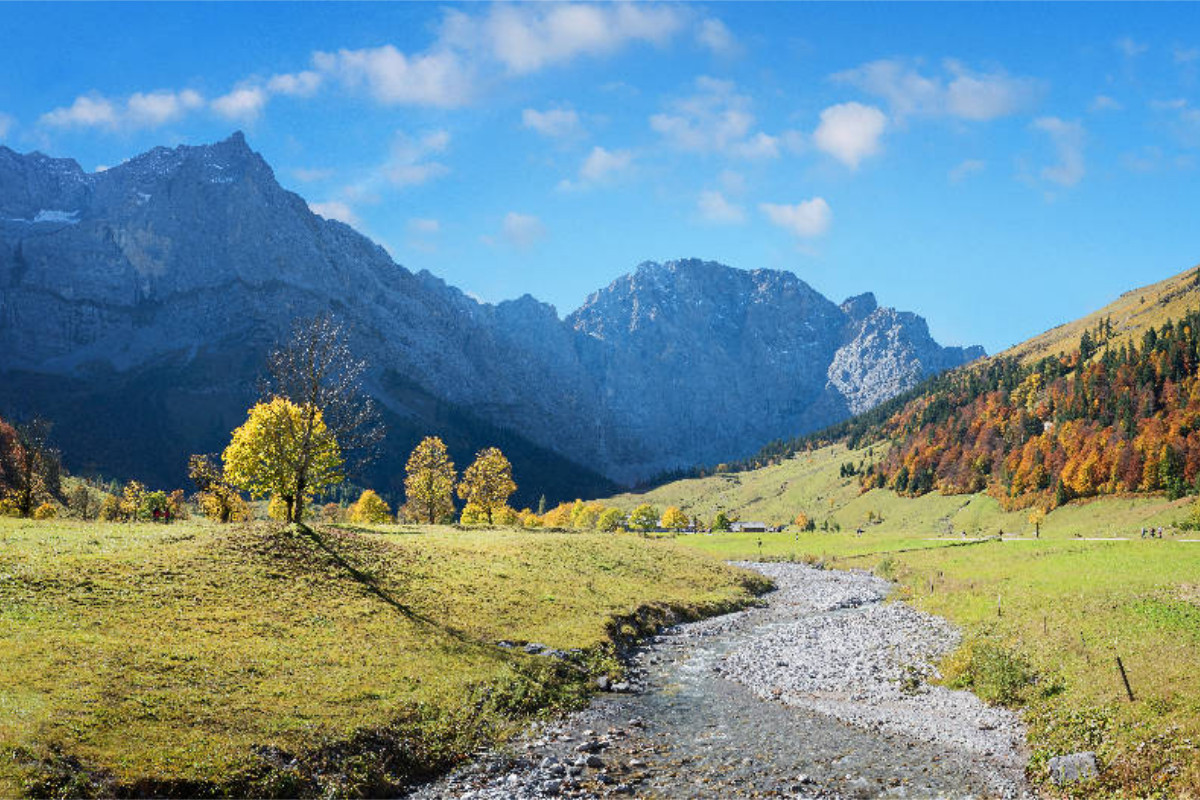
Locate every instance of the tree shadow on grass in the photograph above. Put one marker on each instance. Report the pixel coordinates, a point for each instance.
(346, 554)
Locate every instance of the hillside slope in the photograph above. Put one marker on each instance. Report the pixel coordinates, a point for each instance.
(1131, 315)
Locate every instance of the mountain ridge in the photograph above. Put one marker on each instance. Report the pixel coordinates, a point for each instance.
(195, 254)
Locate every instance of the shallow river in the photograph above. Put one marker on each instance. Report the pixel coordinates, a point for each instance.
(818, 694)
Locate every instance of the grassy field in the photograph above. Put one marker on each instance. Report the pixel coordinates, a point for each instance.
(810, 483)
(200, 660)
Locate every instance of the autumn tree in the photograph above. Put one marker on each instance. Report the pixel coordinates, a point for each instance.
(488, 482)
(429, 483)
(285, 450)
(721, 522)
(558, 517)
(29, 465)
(644, 517)
(317, 374)
(217, 499)
(370, 509)
(610, 520)
(133, 495)
(674, 519)
(82, 503)
(802, 521)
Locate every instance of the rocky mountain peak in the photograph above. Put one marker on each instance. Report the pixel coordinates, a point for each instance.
(860, 306)
(194, 255)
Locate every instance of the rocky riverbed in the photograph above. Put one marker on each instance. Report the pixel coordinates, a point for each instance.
(821, 693)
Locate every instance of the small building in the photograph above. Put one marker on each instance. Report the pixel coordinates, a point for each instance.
(748, 527)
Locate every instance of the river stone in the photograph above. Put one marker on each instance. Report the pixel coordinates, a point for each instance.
(1073, 767)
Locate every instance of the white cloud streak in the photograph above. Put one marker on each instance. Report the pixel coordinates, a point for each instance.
(523, 231)
(717, 119)
(716, 209)
(804, 220)
(336, 209)
(529, 37)
(241, 105)
(958, 92)
(967, 168)
(554, 123)
(439, 79)
(1067, 138)
(714, 35)
(140, 110)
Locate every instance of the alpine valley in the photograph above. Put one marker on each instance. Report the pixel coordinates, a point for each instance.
(136, 305)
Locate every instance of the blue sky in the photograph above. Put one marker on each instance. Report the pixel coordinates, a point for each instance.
(998, 168)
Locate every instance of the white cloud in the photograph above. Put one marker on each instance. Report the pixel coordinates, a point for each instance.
(556, 123)
(733, 182)
(715, 208)
(805, 220)
(1103, 102)
(244, 104)
(1067, 138)
(850, 132)
(335, 209)
(905, 90)
(1175, 104)
(306, 175)
(959, 92)
(296, 84)
(602, 165)
(714, 120)
(964, 170)
(409, 164)
(1186, 55)
(427, 227)
(529, 37)
(716, 36)
(6, 124)
(1130, 48)
(978, 96)
(160, 107)
(438, 79)
(88, 111)
(140, 110)
(523, 231)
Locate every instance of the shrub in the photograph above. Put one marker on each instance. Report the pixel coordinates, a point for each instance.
(505, 516)
(110, 508)
(996, 674)
(370, 509)
(45, 511)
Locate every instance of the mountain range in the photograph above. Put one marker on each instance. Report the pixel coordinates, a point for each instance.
(136, 305)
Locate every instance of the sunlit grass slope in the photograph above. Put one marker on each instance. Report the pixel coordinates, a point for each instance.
(1131, 315)
(811, 483)
(194, 659)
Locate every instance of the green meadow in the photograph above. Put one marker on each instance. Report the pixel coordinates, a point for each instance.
(196, 659)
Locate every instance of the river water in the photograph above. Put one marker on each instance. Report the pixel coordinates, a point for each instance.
(818, 694)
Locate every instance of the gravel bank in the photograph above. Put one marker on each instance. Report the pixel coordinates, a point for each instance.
(819, 694)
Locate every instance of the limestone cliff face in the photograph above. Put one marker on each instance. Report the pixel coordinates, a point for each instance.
(704, 362)
(186, 264)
